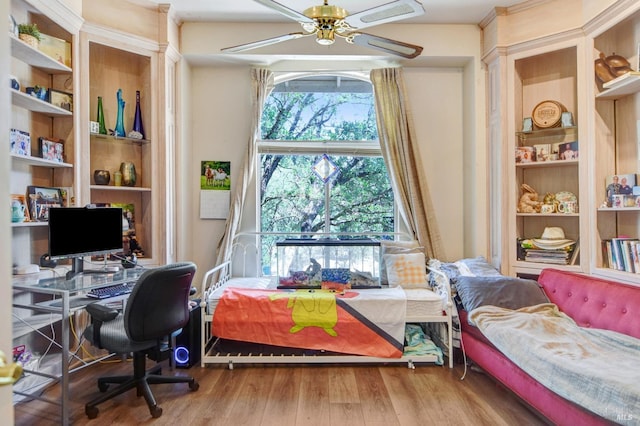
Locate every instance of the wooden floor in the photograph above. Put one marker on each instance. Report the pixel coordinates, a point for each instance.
(383, 395)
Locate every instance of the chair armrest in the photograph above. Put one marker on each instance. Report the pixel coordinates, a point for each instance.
(101, 313)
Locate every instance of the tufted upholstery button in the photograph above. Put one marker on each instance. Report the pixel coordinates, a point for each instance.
(624, 310)
(569, 294)
(604, 305)
(586, 299)
(588, 325)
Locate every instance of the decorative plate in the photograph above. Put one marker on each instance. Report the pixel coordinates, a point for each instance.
(548, 114)
(566, 196)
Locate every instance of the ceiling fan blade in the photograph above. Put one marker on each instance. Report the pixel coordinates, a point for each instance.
(262, 43)
(388, 45)
(284, 10)
(390, 12)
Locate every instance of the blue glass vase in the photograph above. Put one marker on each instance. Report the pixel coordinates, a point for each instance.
(119, 130)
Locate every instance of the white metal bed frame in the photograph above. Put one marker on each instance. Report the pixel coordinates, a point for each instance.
(222, 274)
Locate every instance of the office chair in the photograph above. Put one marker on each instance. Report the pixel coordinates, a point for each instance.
(157, 307)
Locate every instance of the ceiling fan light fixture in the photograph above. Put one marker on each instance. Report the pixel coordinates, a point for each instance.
(325, 35)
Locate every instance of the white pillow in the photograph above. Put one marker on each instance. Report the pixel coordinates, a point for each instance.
(396, 247)
(407, 270)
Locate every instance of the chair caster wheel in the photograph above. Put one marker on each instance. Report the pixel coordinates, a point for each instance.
(91, 412)
(155, 412)
(193, 385)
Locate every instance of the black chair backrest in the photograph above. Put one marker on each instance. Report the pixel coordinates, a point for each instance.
(158, 303)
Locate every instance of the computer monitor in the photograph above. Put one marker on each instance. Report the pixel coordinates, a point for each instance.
(75, 232)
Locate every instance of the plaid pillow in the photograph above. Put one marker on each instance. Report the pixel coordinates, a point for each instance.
(407, 270)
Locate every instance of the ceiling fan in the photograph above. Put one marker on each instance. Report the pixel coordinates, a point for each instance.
(328, 21)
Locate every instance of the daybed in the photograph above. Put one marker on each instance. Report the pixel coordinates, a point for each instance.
(249, 320)
(593, 373)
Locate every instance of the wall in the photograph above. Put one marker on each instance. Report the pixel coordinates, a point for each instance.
(446, 91)
(6, 406)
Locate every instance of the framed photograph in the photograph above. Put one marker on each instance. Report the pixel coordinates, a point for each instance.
(40, 200)
(20, 142)
(617, 186)
(527, 124)
(51, 149)
(567, 119)
(62, 100)
(19, 209)
(565, 150)
(525, 154)
(68, 198)
(543, 152)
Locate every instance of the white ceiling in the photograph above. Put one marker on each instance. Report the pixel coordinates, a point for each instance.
(437, 11)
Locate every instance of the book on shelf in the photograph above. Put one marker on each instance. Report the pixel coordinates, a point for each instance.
(563, 256)
(621, 254)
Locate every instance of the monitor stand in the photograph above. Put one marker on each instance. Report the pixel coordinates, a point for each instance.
(77, 268)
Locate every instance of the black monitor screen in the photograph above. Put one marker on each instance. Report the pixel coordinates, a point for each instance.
(79, 231)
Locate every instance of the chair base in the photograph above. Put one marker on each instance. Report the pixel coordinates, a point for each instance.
(141, 381)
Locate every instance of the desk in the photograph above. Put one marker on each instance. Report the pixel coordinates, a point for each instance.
(66, 293)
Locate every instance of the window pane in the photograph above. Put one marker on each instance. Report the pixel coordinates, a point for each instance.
(320, 110)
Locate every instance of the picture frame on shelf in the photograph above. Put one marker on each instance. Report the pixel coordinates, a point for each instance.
(566, 150)
(543, 151)
(567, 119)
(527, 124)
(525, 154)
(60, 99)
(19, 208)
(68, 196)
(41, 199)
(20, 142)
(617, 187)
(51, 149)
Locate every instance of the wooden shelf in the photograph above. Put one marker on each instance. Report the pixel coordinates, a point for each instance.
(120, 188)
(553, 131)
(120, 138)
(39, 162)
(29, 224)
(29, 55)
(31, 103)
(542, 164)
(548, 214)
(622, 86)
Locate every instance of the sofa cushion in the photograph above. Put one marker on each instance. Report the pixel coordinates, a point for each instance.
(502, 291)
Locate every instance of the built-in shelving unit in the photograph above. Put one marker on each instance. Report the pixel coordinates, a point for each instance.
(542, 74)
(616, 150)
(114, 66)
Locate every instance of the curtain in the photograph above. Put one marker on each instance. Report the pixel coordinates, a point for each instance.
(400, 152)
(261, 85)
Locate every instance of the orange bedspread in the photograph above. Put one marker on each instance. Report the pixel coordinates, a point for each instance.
(314, 319)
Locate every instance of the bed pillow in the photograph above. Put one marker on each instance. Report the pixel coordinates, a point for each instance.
(501, 291)
(408, 270)
(396, 247)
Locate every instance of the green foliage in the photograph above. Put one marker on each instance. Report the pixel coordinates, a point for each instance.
(30, 29)
(293, 198)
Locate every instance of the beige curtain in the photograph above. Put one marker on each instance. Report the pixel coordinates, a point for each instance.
(400, 152)
(262, 83)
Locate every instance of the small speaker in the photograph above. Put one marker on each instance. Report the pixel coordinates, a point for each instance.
(187, 351)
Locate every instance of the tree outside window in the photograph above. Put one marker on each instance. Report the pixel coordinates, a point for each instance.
(312, 127)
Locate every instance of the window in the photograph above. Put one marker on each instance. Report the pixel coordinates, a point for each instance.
(321, 171)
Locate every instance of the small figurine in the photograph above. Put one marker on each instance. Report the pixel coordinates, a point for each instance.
(314, 268)
(529, 200)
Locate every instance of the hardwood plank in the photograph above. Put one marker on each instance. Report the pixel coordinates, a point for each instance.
(327, 395)
(313, 403)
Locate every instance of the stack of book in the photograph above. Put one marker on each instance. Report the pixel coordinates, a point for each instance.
(561, 256)
(557, 257)
(622, 254)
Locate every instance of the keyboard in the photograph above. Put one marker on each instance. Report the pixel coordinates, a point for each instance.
(110, 291)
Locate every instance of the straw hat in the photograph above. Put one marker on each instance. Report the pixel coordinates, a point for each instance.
(552, 238)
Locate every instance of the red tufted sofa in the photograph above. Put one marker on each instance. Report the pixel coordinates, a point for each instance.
(591, 302)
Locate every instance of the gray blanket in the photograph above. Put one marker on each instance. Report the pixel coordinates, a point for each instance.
(597, 369)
